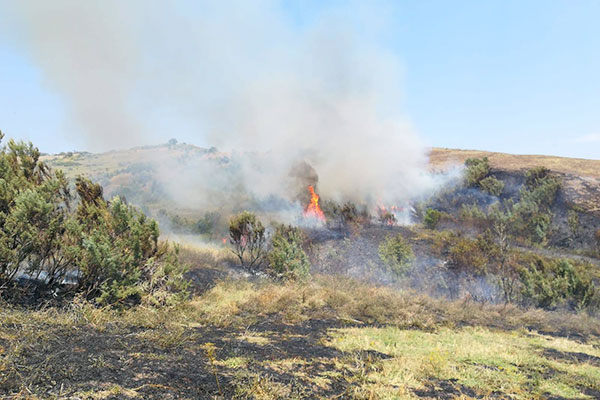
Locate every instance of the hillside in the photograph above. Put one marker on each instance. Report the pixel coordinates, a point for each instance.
(581, 176)
(491, 292)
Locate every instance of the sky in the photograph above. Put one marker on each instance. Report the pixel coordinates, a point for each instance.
(500, 75)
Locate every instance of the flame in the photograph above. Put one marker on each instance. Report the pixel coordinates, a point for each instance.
(313, 210)
(387, 217)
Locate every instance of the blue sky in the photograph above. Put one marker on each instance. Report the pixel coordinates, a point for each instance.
(511, 76)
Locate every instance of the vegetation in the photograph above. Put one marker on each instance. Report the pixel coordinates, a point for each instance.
(431, 218)
(396, 254)
(287, 259)
(557, 284)
(248, 237)
(477, 170)
(492, 185)
(106, 250)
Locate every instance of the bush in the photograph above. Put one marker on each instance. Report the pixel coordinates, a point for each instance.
(431, 218)
(287, 259)
(477, 170)
(248, 237)
(471, 256)
(396, 254)
(553, 284)
(106, 250)
(492, 185)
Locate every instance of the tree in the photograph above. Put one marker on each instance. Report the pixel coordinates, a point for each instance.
(287, 259)
(248, 237)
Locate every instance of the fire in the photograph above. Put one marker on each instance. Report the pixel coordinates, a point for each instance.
(313, 210)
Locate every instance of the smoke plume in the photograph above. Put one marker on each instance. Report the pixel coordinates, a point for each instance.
(238, 75)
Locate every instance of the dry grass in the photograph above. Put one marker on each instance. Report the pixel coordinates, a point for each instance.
(240, 302)
(441, 158)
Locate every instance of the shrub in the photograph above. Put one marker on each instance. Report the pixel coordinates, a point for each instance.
(477, 170)
(287, 259)
(558, 283)
(470, 255)
(385, 217)
(492, 185)
(396, 254)
(248, 237)
(573, 222)
(107, 250)
(431, 218)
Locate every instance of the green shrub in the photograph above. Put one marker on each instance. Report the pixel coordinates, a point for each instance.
(471, 255)
(492, 185)
(477, 170)
(109, 249)
(287, 259)
(248, 237)
(431, 218)
(396, 254)
(558, 283)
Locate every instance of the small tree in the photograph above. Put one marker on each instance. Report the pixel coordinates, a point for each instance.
(287, 259)
(396, 254)
(432, 218)
(248, 238)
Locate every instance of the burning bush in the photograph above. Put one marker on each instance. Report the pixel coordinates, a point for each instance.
(287, 259)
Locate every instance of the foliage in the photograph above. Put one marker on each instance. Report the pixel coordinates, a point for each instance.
(492, 185)
(471, 255)
(104, 250)
(343, 216)
(533, 213)
(287, 259)
(248, 237)
(431, 218)
(573, 222)
(557, 283)
(396, 254)
(477, 170)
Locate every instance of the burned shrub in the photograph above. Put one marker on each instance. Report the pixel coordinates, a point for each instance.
(385, 217)
(248, 237)
(287, 259)
(342, 217)
(396, 254)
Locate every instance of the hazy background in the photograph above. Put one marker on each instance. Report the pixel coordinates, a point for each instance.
(497, 75)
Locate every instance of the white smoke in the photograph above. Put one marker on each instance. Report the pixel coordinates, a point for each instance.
(238, 75)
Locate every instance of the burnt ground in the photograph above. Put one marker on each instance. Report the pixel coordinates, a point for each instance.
(289, 359)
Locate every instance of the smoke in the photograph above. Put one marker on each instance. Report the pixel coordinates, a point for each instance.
(237, 75)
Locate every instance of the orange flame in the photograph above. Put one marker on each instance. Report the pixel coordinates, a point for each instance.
(313, 210)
